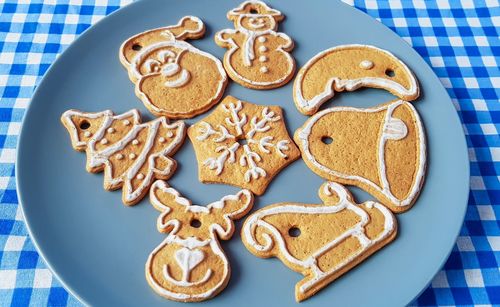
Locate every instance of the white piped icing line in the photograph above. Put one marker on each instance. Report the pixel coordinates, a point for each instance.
(393, 129)
(192, 250)
(308, 106)
(97, 158)
(248, 157)
(172, 69)
(273, 236)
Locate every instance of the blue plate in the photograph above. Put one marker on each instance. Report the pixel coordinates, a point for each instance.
(98, 247)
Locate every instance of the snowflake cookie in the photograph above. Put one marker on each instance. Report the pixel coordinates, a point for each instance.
(242, 144)
(132, 154)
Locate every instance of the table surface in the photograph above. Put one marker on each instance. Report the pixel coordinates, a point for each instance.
(460, 41)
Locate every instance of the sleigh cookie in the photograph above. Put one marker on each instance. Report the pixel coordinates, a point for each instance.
(320, 241)
(168, 72)
(132, 154)
(347, 68)
(258, 57)
(189, 265)
(382, 150)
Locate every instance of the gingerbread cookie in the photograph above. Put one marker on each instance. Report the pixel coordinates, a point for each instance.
(189, 265)
(349, 67)
(242, 144)
(173, 78)
(381, 150)
(258, 57)
(320, 241)
(132, 154)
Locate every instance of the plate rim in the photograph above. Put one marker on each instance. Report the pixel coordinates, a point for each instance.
(131, 6)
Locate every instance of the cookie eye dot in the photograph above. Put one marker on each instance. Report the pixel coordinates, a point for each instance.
(195, 223)
(84, 125)
(136, 47)
(389, 72)
(326, 140)
(294, 232)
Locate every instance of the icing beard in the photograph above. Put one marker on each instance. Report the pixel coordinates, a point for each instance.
(167, 63)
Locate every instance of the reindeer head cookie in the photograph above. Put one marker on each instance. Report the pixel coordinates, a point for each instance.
(172, 77)
(132, 154)
(258, 57)
(189, 265)
(320, 241)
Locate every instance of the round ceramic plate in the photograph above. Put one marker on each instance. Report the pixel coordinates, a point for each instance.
(98, 247)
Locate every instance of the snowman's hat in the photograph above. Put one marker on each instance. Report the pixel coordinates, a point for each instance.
(254, 8)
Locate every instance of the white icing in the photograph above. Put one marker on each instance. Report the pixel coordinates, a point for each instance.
(87, 134)
(393, 129)
(132, 156)
(264, 69)
(119, 156)
(111, 130)
(104, 141)
(170, 134)
(248, 45)
(357, 231)
(184, 77)
(190, 255)
(135, 142)
(161, 140)
(170, 69)
(126, 122)
(307, 106)
(263, 58)
(152, 65)
(248, 158)
(366, 64)
(140, 176)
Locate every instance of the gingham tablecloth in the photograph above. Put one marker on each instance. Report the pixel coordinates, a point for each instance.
(460, 40)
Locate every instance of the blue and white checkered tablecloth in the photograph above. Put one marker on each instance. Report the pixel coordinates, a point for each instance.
(459, 39)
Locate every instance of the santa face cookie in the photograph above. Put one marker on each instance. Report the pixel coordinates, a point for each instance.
(349, 67)
(132, 154)
(189, 265)
(381, 150)
(258, 57)
(320, 241)
(168, 72)
(242, 144)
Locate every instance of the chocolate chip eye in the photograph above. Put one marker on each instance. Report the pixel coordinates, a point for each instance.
(84, 125)
(294, 232)
(195, 223)
(136, 47)
(326, 140)
(389, 72)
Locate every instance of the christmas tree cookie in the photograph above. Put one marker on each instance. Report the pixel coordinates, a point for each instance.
(132, 154)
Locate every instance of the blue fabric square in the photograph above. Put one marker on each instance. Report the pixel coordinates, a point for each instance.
(28, 260)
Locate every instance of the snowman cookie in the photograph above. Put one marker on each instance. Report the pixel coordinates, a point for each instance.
(349, 67)
(173, 78)
(258, 57)
(381, 150)
(132, 154)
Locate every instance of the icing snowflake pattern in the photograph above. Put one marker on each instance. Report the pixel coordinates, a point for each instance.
(243, 138)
